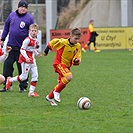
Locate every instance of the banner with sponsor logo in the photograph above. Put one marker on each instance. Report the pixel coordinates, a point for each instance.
(129, 38)
(66, 34)
(109, 38)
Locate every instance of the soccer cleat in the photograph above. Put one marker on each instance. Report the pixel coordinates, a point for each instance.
(11, 88)
(22, 90)
(3, 89)
(33, 94)
(52, 102)
(97, 50)
(83, 50)
(56, 96)
(8, 83)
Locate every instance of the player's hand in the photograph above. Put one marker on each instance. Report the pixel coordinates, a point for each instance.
(28, 60)
(45, 54)
(46, 51)
(8, 49)
(1, 43)
(39, 55)
(76, 61)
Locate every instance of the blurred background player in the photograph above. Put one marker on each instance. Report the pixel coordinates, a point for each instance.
(17, 25)
(27, 60)
(68, 53)
(3, 56)
(91, 37)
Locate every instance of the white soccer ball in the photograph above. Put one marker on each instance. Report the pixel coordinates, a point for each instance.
(84, 103)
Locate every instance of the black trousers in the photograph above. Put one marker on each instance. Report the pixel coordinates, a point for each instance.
(94, 43)
(8, 66)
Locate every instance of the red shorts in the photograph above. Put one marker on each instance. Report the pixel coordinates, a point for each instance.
(62, 70)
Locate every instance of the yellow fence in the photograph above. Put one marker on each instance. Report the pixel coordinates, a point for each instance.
(114, 38)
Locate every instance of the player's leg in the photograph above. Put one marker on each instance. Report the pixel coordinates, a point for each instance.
(24, 83)
(95, 48)
(34, 79)
(86, 46)
(89, 45)
(8, 68)
(57, 90)
(66, 78)
(2, 79)
(23, 76)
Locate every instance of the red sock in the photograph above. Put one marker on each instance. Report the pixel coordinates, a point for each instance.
(86, 47)
(51, 94)
(60, 87)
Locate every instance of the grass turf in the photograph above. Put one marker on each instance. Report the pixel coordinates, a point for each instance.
(105, 78)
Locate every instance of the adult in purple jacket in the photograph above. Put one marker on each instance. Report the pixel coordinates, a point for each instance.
(17, 26)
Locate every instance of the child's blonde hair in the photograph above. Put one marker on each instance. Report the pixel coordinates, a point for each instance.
(76, 32)
(34, 25)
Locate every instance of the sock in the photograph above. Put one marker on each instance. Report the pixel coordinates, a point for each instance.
(86, 47)
(14, 79)
(95, 48)
(61, 85)
(51, 94)
(59, 79)
(32, 87)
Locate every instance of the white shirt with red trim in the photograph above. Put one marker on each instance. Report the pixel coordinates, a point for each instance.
(28, 49)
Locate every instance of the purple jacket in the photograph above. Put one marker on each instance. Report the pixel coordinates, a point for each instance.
(17, 26)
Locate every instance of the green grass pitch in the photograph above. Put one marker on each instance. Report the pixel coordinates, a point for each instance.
(105, 78)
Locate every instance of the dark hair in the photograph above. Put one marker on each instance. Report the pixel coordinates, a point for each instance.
(76, 32)
(91, 20)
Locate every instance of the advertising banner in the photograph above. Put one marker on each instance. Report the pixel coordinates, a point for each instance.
(129, 38)
(109, 38)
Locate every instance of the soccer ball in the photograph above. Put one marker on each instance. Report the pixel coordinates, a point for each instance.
(84, 103)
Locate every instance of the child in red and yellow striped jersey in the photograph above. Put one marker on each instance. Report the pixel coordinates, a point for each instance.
(68, 53)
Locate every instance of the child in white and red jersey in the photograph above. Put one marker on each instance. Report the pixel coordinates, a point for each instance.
(27, 60)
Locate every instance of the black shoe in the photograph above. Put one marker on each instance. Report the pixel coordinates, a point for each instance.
(22, 90)
(3, 90)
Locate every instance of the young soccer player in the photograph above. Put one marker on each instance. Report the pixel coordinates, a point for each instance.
(3, 56)
(68, 53)
(91, 37)
(27, 60)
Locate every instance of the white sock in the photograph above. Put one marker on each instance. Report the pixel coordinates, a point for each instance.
(32, 89)
(13, 79)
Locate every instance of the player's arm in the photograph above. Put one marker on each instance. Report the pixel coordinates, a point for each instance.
(77, 58)
(23, 50)
(37, 53)
(4, 55)
(46, 50)
(53, 44)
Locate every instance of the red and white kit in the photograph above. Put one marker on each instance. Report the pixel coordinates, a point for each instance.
(28, 64)
(28, 52)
